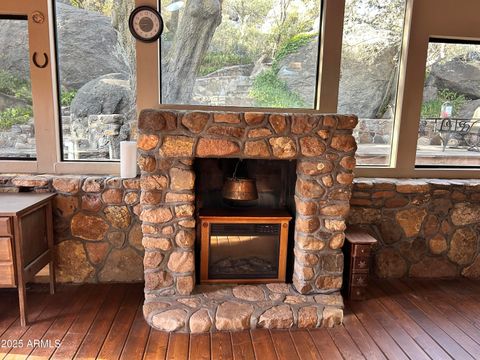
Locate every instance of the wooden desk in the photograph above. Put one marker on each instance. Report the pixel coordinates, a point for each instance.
(26, 242)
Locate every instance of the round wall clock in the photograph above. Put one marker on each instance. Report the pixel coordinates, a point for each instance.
(145, 24)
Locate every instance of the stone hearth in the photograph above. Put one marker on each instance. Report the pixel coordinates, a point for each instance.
(169, 142)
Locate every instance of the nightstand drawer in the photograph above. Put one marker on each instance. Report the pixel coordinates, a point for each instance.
(5, 226)
(358, 293)
(361, 250)
(6, 251)
(360, 264)
(7, 275)
(359, 280)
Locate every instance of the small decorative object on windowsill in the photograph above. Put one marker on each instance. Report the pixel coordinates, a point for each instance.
(128, 159)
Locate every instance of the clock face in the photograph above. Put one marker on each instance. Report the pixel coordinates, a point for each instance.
(146, 24)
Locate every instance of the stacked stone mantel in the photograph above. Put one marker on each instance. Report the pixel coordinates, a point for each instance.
(169, 142)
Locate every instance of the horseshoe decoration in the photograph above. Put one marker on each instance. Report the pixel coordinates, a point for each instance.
(35, 61)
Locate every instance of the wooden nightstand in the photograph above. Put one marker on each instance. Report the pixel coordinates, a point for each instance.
(26, 242)
(357, 263)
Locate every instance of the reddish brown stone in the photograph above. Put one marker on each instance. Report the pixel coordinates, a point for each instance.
(69, 185)
(465, 214)
(97, 252)
(200, 322)
(181, 261)
(314, 168)
(345, 178)
(226, 131)
(433, 267)
(119, 216)
(66, 205)
(147, 163)
(260, 132)
(147, 142)
(277, 317)
(329, 282)
(458, 196)
(278, 123)
(157, 215)
(309, 189)
(156, 243)
(216, 147)
(308, 242)
(113, 182)
(411, 220)
(347, 122)
(93, 184)
(185, 239)
(327, 180)
(233, 316)
(473, 271)
(336, 242)
(311, 146)
(332, 316)
(158, 280)
(152, 259)
(30, 181)
(437, 244)
(171, 197)
(112, 196)
(445, 227)
(345, 143)
(72, 264)
(91, 203)
(177, 146)
(303, 124)
(185, 284)
(348, 162)
(150, 197)
(88, 227)
(131, 184)
(151, 120)
(195, 121)
(383, 194)
(257, 149)
(390, 264)
(305, 207)
(361, 202)
(463, 246)
(431, 225)
(130, 198)
(230, 118)
(396, 202)
(329, 121)
(184, 210)
(413, 187)
(154, 182)
(324, 134)
(253, 118)
(182, 179)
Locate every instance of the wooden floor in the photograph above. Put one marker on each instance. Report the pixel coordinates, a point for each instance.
(403, 320)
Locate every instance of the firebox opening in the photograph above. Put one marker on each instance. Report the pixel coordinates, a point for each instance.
(245, 241)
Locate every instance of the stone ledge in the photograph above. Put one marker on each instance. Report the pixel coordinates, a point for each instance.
(213, 308)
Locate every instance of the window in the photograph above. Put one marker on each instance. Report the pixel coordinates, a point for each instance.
(96, 64)
(261, 53)
(449, 132)
(372, 37)
(17, 128)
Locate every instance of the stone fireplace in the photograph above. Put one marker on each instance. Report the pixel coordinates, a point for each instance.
(169, 143)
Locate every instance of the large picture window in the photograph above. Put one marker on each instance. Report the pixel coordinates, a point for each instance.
(449, 132)
(256, 53)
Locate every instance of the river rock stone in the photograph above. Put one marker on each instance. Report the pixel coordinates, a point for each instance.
(170, 320)
(463, 246)
(390, 264)
(433, 267)
(465, 214)
(307, 317)
(216, 147)
(233, 316)
(122, 265)
(473, 271)
(283, 147)
(332, 316)
(278, 317)
(72, 264)
(88, 227)
(411, 220)
(177, 146)
(182, 179)
(195, 121)
(200, 322)
(119, 216)
(249, 293)
(181, 261)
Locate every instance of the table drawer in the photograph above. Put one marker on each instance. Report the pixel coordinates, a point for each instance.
(361, 250)
(6, 250)
(7, 275)
(5, 226)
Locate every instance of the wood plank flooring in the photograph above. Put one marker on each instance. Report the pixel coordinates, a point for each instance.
(403, 319)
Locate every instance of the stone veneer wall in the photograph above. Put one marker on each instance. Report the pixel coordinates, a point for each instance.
(97, 232)
(426, 228)
(169, 141)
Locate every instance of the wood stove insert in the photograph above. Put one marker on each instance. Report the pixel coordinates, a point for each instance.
(243, 245)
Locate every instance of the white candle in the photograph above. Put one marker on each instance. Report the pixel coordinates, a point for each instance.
(128, 159)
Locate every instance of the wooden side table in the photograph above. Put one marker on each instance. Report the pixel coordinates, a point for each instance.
(357, 263)
(26, 242)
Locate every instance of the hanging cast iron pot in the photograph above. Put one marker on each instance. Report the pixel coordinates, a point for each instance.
(239, 189)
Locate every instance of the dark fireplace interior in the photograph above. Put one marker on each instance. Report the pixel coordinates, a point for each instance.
(239, 248)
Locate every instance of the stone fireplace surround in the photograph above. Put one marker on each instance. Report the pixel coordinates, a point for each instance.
(168, 143)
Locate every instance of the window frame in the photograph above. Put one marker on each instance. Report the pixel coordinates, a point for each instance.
(452, 22)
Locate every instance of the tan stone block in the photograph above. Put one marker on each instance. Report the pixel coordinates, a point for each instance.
(314, 168)
(30, 181)
(185, 285)
(156, 120)
(189, 224)
(135, 236)
(256, 149)
(308, 189)
(231, 131)
(283, 147)
(233, 316)
(168, 230)
(149, 229)
(195, 121)
(131, 184)
(303, 272)
(152, 259)
(170, 320)
(200, 322)
(335, 210)
(259, 133)
(304, 258)
(171, 197)
(278, 288)
(413, 187)
(66, 205)
(308, 242)
(230, 118)
(150, 197)
(158, 280)
(411, 220)
(463, 246)
(347, 122)
(337, 240)
(181, 179)
(307, 317)
(184, 210)
(254, 118)
(307, 225)
(305, 208)
(97, 251)
(154, 182)
(390, 264)
(157, 215)
(163, 244)
(345, 178)
(329, 282)
(278, 123)
(335, 225)
(465, 214)
(345, 143)
(185, 239)
(112, 196)
(437, 244)
(93, 184)
(191, 302)
(332, 316)
(433, 267)
(216, 147)
(147, 142)
(303, 124)
(147, 163)
(311, 146)
(181, 261)
(114, 182)
(70, 185)
(323, 134)
(130, 198)
(277, 317)
(327, 181)
(91, 203)
(88, 227)
(249, 293)
(118, 216)
(177, 146)
(72, 264)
